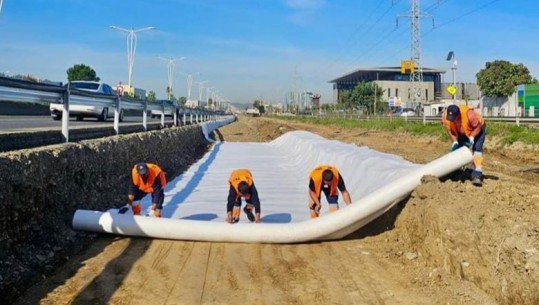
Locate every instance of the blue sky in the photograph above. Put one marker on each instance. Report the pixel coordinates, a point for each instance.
(249, 49)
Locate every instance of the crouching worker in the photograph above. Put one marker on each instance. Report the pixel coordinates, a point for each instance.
(147, 178)
(327, 179)
(242, 186)
(467, 128)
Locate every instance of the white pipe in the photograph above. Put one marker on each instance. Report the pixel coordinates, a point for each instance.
(332, 226)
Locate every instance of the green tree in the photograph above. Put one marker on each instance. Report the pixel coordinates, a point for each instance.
(30, 78)
(344, 99)
(81, 72)
(500, 78)
(258, 104)
(363, 97)
(151, 96)
(182, 100)
(328, 107)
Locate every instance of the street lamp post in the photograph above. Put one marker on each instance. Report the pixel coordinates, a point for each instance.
(208, 95)
(171, 62)
(200, 88)
(131, 47)
(190, 83)
(451, 56)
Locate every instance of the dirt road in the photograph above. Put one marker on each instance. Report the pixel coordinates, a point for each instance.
(449, 243)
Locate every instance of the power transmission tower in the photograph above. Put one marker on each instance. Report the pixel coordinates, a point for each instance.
(416, 73)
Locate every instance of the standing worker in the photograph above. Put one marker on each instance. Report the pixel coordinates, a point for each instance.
(327, 179)
(147, 178)
(242, 186)
(467, 128)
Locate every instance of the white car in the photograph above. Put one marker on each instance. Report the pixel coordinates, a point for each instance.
(82, 111)
(406, 112)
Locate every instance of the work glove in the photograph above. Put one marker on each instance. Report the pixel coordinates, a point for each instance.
(470, 142)
(454, 146)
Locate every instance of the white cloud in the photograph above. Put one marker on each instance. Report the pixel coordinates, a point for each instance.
(304, 4)
(304, 11)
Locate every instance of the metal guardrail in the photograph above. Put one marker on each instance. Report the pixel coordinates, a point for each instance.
(432, 119)
(13, 90)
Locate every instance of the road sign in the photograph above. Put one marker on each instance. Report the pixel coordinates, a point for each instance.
(451, 90)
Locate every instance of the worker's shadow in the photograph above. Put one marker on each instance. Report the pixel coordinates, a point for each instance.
(178, 198)
(201, 216)
(277, 218)
(219, 135)
(383, 223)
(464, 174)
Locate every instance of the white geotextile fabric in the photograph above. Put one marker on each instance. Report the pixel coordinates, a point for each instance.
(280, 170)
(195, 202)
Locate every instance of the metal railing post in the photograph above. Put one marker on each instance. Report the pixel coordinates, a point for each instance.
(65, 115)
(117, 116)
(175, 116)
(145, 116)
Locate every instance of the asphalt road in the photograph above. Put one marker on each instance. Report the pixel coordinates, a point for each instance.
(16, 123)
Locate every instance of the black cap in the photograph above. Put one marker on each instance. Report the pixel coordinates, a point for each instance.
(244, 188)
(452, 112)
(142, 169)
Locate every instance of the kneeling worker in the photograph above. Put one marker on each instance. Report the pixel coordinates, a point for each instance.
(242, 186)
(327, 179)
(147, 178)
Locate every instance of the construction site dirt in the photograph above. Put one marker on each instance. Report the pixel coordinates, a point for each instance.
(449, 242)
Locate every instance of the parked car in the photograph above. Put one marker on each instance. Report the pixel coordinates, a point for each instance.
(405, 112)
(82, 111)
(170, 106)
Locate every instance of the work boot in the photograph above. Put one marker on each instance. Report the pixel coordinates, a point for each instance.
(477, 181)
(249, 214)
(477, 178)
(157, 213)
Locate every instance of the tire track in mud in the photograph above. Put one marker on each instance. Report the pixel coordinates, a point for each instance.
(364, 279)
(149, 281)
(190, 280)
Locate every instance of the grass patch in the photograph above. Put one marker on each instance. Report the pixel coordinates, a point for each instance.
(508, 133)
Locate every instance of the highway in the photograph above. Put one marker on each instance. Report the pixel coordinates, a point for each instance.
(18, 123)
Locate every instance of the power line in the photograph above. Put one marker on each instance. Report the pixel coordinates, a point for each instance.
(364, 33)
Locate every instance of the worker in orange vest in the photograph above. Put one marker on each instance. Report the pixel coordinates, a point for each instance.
(326, 179)
(147, 178)
(242, 186)
(467, 128)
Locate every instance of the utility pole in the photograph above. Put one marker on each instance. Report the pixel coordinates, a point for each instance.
(416, 73)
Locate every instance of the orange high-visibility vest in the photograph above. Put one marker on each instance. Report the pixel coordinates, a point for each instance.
(316, 176)
(154, 172)
(240, 175)
(466, 127)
